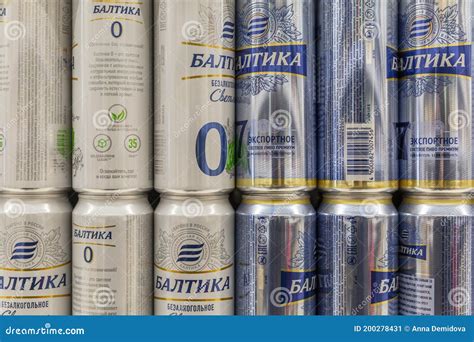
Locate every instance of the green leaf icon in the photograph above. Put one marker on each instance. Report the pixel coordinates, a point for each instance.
(121, 116)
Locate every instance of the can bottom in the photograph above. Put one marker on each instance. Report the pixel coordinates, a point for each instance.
(190, 192)
(357, 186)
(38, 191)
(134, 191)
(437, 186)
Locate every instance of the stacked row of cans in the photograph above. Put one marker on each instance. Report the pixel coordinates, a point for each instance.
(35, 158)
(194, 157)
(436, 130)
(276, 157)
(42, 46)
(112, 158)
(261, 55)
(357, 240)
(395, 104)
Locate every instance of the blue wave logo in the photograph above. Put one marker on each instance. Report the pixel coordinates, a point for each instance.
(24, 250)
(421, 28)
(257, 26)
(229, 30)
(190, 252)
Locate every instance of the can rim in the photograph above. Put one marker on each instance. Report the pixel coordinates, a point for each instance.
(116, 196)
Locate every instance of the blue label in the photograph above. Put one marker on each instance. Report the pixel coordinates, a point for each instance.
(289, 58)
(392, 63)
(447, 60)
(413, 251)
(384, 286)
(300, 285)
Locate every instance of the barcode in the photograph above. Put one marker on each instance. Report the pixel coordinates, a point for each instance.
(359, 152)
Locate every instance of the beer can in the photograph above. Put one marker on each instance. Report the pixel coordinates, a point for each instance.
(357, 95)
(194, 256)
(275, 251)
(112, 248)
(112, 96)
(357, 255)
(435, 128)
(35, 254)
(35, 95)
(436, 251)
(194, 96)
(276, 96)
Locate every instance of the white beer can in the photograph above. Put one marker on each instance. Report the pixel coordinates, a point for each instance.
(112, 255)
(194, 96)
(35, 254)
(35, 95)
(112, 92)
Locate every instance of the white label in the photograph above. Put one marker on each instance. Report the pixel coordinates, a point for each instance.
(112, 271)
(416, 295)
(35, 265)
(194, 267)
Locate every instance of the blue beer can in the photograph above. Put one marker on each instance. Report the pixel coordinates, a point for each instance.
(357, 95)
(275, 71)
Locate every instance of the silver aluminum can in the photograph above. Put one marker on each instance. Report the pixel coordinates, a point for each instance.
(275, 251)
(436, 255)
(357, 255)
(435, 128)
(194, 96)
(35, 95)
(112, 247)
(194, 256)
(276, 96)
(35, 254)
(112, 96)
(357, 95)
